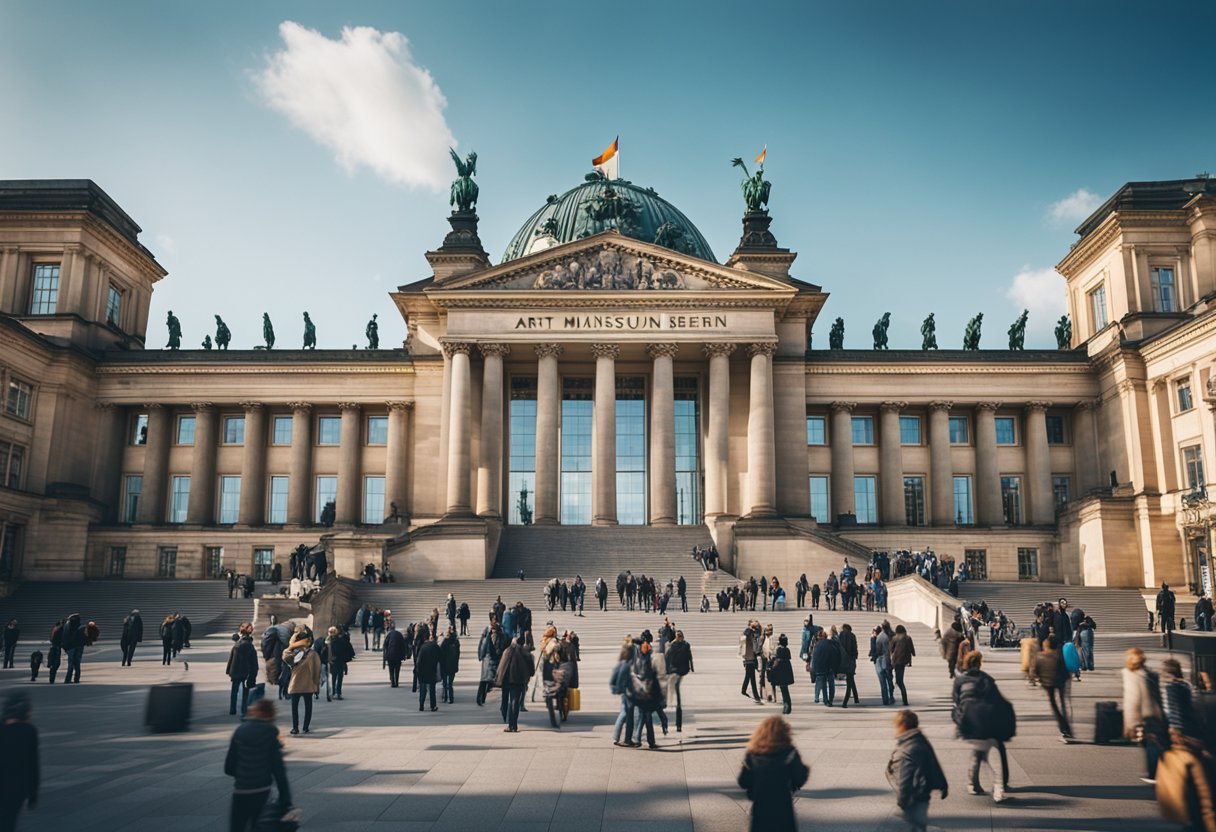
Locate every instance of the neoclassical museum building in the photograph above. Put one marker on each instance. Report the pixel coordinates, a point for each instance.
(607, 370)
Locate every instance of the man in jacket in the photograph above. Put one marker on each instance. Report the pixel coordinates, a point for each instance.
(450, 664)
(679, 665)
(132, 635)
(809, 631)
(915, 770)
(489, 653)
(950, 641)
(902, 651)
(254, 761)
(880, 654)
(847, 642)
(428, 668)
(19, 768)
(1053, 676)
(825, 660)
(394, 654)
(73, 645)
(750, 644)
(11, 635)
(1165, 608)
(514, 671)
(341, 654)
(242, 668)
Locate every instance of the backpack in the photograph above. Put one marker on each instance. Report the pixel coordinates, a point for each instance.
(643, 680)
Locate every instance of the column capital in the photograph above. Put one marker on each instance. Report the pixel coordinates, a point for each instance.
(612, 351)
(451, 348)
(941, 405)
(889, 407)
(349, 405)
(843, 406)
(768, 348)
(153, 406)
(199, 407)
(250, 406)
(1126, 386)
(501, 350)
(400, 406)
(662, 350)
(720, 348)
(1037, 405)
(104, 406)
(548, 350)
(72, 248)
(304, 406)
(1088, 404)
(992, 406)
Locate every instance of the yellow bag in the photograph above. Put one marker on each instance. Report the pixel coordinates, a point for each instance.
(572, 700)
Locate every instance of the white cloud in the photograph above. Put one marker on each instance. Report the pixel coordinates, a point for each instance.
(1075, 207)
(164, 244)
(1042, 292)
(364, 98)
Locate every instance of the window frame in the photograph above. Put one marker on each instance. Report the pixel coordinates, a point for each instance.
(20, 393)
(955, 479)
(174, 493)
(322, 422)
(1061, 483)
(1015, 480)
(1093, 295)
(232, 420)
(368, 430)
(920, 434)
(910, 481)
(134, 438)
(12, 464)
(1192, 467)
(1155, 286)
(872, 495)
(827, 496)
(274, 430)
(1012, 421)
(966, 424)
(228, 515)
(130, 512)
(368, 495)
(1028, 556)
(318, 506)
(270, 495)
(1063, 423)
(867, 423)
(113, 311)
(181, 421)
(37, 301)
(1184, 395)
(166, 561)
(116, 565)
(823, 430)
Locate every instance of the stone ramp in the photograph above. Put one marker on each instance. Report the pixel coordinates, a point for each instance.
(1113, 610)
(566, 551)
(37, 606)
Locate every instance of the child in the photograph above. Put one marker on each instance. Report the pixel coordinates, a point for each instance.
(914, 771)
(35, 664)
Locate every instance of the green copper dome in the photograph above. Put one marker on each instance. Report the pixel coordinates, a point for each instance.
(598, 205)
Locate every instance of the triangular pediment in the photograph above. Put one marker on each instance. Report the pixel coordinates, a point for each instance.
(611, 262)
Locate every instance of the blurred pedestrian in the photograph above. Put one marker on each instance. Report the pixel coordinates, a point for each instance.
(772, 773)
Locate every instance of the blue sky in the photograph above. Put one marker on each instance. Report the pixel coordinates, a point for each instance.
(928, 156)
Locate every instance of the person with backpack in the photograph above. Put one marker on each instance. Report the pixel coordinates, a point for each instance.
(489, 652)
(772, 773)
(255, 761)
(679, 665)
(132, 635)
(514, 671)
(914, 771)
(1143, 715)
(646, 692)
(1053, 676)
(394, 654)
(341, 654)
(781, 672)
(242, 668)
(750, 645)
(449, 664)
(985, 719)
(464, 614)
(305, 679)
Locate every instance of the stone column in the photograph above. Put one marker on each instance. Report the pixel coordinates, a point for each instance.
(841, 440)
(445, 423)
(603, 436)
(299, 487)
(717, 445)
(347, 503)
(1085, 446)
(1038, 465)
(396, 487)
(761, 439)
(460, 473)
(253, 466)
(489, 469)
(154, 495)
(987, 475)
(106, 482)
(201, 508)
(548, 413)
(891, 465)
(941, 466)
(662, 436)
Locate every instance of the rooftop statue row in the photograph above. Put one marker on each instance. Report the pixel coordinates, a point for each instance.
(223, 335)
(971, 335)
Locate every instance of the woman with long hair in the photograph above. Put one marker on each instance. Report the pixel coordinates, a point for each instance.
(772, 772)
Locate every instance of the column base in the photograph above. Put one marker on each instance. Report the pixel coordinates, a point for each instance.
(664, 522)
(761, 514)
(545, 521)
(460, 514)
(489, 515)
(604, 521)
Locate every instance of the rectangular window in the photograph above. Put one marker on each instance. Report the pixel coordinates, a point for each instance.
(577, 395)
(1011, 500)
(863, 430)
(864, 499)
(373, 500)
(263, 564)
(179, 501)
(113, 306)
(521, 480)
(230, 500)
(914, 500)
(20, 395)
(118, 562)
(377, 430)
(1028, 564)
(139, 429)
(134, 486)
(1055, 430)
(1061, 488)
(909, 430)
(820, 507)
(10, 549)
(1163, 289)
(329, 430)
(234, 430)
(215, 561)
(1006, 430)
(962, 502)
(282, 430)
(166, 562)
(1097, 307)
(688, 467)
(631, 450)
(45, 297)
(185, 430)
(327, 492)
(278, 500)
(1192, 464)
(816, 430)
(1185, 400)
(977, 563)
(12, 458)
(958, 430)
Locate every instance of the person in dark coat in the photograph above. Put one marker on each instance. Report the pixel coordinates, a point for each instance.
(914, 770)
(73, 645)
(772, 772)
(242, 668)
(19, 769)
(781, 672)
(254, 761)
(54, 654)
(428, 669)
(166, 641)
(489, 652)
(984, 720)
(394, 654)
(11, 635)
(132, 635)
(179, 634)
(847, 641)
(341, 654)
(679, 665)
(514, 671)
(902, 651)
(450, 664)
(464, 614)
(825, 661)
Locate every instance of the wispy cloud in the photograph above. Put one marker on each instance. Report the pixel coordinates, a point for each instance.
(1042, 292)
(1075, 207)
(363, 97)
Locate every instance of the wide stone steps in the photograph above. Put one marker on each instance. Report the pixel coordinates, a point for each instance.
(566, 551)
(37, 606)
(1113, 610)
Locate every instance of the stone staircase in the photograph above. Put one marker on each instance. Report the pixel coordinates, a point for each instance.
(1113, 610)
(600, 551)
(37, 606)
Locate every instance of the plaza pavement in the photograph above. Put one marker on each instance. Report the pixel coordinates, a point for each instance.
(373, 762)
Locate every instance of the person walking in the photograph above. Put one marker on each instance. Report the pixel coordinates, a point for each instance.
(254, 762)
(377, 627)
(768, 648)
(847, 641)
(749, 650)
(985, 719)
(781, 672)
(825, 661)
(305, 680)
(11, 635)
(341, 654)
(914, 771)
(902, 651)
(514, 671)
(242, 668)
(73, 644)
(1084, 636)
(166, 641)
(880, 655)
(394, 654)
(772, 774)
(646, 693)
(132, 635)
(679, 665)
(800, 589)
(19, 767)
(1165, 608)
(464, 614)
(949, 645)
(489, 652)
(428, 669)
(1053, 676)
(814, 596)
(618, 684)
(56, 651)
(450, 664)
(363, 620)
(1143, 715)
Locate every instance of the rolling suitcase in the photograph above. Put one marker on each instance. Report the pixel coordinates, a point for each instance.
(1108, 722)
(169, 707)
(573, 699)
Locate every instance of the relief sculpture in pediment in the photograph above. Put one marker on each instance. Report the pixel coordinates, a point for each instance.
(608, 269)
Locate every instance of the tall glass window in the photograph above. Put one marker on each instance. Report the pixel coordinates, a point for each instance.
(577, 403)
(373, 500)
(958, 430)
(1055, 429)
(914, 500)
(20, 395)
(139, 429)
(1028, 564)
(1097, 307)
(631, 450)
(282, 430)
(263, 564)
(688, 466)
(863, 430)
(816, 430)
(377, 430)
(185, 430)
(278, 500)
(329, 430)
(1163, 289)
(113, 306)
(130, 503)
(118, 561)
(1192, 465)
(909, 430)
(327, 492)
(820, 507)
(230, 499)
(179, 500)
(521, 476)
(215, 561)
(1185, 400)
(1011, 499)
(45, 297)
(166, 562)
(963, 515)
(1061, 488)
(234, 430)
(1006, 430)
(864, 499)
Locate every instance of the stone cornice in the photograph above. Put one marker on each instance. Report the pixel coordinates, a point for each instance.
(220, 370)
(556, 299)
(138, 258)
(1187, 333)
(813, 369)
(1090, 246)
